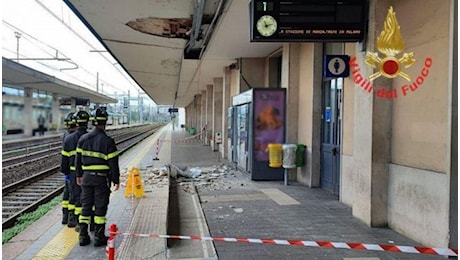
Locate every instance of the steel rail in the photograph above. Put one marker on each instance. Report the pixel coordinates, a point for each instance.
(52, 173)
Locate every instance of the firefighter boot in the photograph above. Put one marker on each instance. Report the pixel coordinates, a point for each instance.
(84, 236)
(77, 227)
(72, 219)
(65, 216)
(92, 226)
(99, 235)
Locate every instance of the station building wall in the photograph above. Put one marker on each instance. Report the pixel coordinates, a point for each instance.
(410, 153)
(396, 162)
(396, 153)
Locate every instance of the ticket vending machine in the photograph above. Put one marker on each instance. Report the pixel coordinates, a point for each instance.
(259, 119)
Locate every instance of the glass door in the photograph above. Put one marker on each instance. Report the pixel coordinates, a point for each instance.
(242, 128)
(331, 135)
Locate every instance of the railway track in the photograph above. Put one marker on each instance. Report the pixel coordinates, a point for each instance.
(17, 158)
(39, 156)
(28, 194)
(16, 154)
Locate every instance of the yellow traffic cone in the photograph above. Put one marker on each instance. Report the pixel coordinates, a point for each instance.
(134, 184)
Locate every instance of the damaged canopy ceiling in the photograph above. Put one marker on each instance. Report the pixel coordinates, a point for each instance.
(172, 48)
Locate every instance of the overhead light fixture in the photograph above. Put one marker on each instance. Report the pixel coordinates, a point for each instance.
(234, 66)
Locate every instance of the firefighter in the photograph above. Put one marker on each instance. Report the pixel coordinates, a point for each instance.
(97, 168)
(69, 151)
(71, 127)
(69, 122)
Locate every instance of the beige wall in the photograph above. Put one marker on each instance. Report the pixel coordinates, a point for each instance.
(420, 118)
(305, 103)
(226, 103)
(234, 82)
(309, 110)
(306, 94)
(409, 190)
(217, 116)
(347, 166)
(348, 108)
(253, 71)
(418, 199)
(416, 189)
(418, 205)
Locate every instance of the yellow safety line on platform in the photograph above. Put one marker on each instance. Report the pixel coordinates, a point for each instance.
(60, 246)
(64, 242)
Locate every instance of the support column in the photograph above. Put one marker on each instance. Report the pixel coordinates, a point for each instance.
(453, 216)
(372, 138)
(196, 112)
(291, 63)
(217, 112)
(203, 117)
(309, 79)
(29, 122)
(188, 115)
(226, 103)
(199, 122)
(73, 105)
(56, 113)
(209, 117)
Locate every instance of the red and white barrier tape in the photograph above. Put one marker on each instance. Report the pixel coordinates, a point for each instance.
(328, 244)
(182, 140)
(186, 139)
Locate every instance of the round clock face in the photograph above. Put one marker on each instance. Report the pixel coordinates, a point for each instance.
(266, 25)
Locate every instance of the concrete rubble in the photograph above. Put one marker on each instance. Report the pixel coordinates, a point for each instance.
(216, 177)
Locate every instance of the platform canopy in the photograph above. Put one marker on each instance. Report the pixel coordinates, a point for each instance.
(19, 76)
(173, 49)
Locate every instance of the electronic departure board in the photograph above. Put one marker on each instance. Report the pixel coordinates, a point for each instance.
(307, 20)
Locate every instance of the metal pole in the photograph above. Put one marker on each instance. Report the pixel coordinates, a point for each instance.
(139, 105)
(97, 82)
(18, 35)
(286, 176)
(129, 108)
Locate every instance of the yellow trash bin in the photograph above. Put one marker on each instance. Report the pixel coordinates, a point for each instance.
(275, 155)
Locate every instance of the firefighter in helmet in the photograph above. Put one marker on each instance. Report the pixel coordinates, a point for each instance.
(97, 168)
(71, 127)
(70, 123)
(81, 119)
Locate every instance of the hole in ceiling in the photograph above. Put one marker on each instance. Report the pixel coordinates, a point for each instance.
(164, 27)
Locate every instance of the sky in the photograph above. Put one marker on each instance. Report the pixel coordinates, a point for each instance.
(49, 29)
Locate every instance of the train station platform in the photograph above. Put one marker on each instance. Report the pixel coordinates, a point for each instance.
(218, 212)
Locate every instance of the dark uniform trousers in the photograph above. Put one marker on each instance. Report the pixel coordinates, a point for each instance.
(75, 193)
(66, 194)
(65, 202)
(95, 192)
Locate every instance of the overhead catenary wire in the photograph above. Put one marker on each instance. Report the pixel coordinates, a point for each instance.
(46, 49)
(123, 73)
(41, 46)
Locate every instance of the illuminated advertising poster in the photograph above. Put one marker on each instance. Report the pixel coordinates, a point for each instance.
(269, 120)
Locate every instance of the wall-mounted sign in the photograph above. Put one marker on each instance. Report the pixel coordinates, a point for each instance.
(336, 66)
(307, 20)
(173, 110)
(327, 114)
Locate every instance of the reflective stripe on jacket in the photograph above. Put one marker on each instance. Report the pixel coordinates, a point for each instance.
(96, 151)
(69, 150)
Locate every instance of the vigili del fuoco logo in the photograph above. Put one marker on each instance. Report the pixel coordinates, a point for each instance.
(391, 65)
